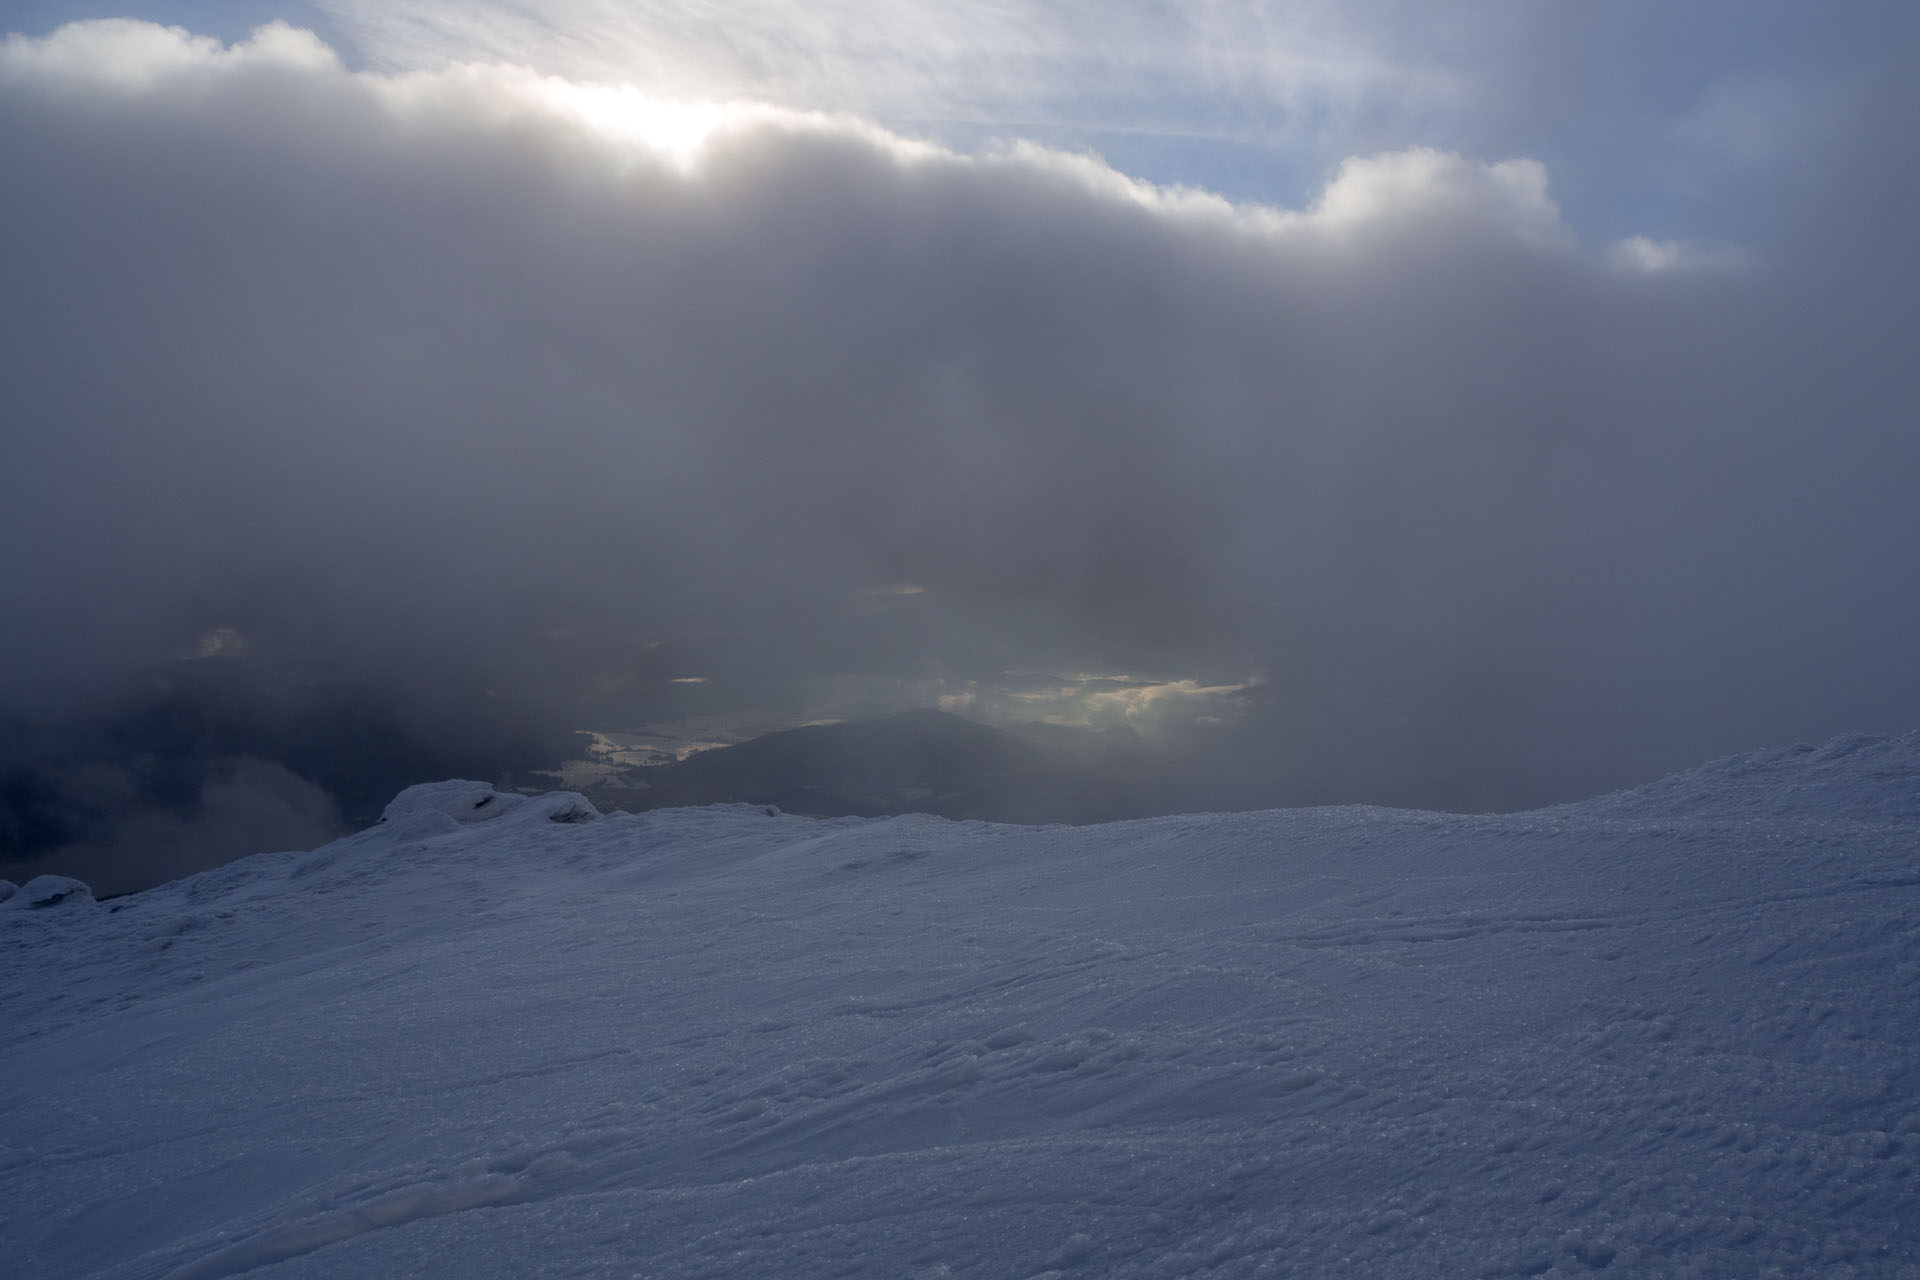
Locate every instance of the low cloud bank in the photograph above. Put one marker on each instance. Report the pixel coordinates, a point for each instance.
(442, 386)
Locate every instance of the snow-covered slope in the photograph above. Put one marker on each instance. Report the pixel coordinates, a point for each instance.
(1669, 1032)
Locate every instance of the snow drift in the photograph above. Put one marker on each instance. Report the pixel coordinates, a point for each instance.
(1667, 1032)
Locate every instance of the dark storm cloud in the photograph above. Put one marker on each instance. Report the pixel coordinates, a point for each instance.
(423, 384)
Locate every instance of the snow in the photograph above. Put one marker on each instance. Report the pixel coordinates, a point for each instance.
(44, 891)
(467, 802)
(1669, 1032)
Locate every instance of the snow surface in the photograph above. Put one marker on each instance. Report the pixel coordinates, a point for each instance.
(44, 891)
(1671, 1032)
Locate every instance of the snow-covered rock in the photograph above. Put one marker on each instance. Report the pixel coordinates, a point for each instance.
(47, 891)
(468, 802)
(1669, 1032)
(563, 806)
(459, 799)
(7, 889)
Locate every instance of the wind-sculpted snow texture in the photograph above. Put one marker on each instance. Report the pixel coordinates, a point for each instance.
(1669, 1032)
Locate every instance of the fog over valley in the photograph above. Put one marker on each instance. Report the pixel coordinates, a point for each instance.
(371, 420)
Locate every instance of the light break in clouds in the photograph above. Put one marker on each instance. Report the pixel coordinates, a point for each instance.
(490, 389)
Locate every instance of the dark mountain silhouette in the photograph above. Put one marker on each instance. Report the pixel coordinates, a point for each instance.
(919, 762)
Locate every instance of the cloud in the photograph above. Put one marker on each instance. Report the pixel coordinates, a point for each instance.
(127, 56)
(242, 806)
(1647, 256)
(1651, 120)
(1012, 66)
(1422, 186)
(479, 389)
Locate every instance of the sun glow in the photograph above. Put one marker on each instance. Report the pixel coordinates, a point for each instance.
(675, 130)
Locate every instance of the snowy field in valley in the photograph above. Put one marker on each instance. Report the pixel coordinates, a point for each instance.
(1671, 1032)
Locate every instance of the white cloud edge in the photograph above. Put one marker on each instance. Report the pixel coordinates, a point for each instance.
(1509, 197)
(1643, 255)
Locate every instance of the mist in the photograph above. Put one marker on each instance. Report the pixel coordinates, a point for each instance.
(502, 411)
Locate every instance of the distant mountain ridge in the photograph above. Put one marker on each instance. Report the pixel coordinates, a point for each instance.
(928, 761)
(921, 761)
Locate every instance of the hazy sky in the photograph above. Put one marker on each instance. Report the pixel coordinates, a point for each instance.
(1469, 406)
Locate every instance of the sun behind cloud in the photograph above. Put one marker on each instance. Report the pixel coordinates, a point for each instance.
(676, 130)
